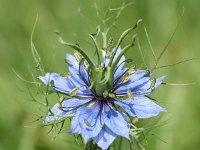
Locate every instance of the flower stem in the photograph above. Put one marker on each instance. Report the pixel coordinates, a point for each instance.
(91, 145)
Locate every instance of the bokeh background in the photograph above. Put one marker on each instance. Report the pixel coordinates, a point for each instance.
(75, 19)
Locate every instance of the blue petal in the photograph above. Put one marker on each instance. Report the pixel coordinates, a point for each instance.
(142, 107)
(118, 76)
(134, 77)
(147, 89)
(138, 75)
(120, 65)
(75, 126)
(116, 122)
(74, 67)
(73, 63)
(67, 105)
(84, 74)
(117, 54)
(135, 85)
(125, 104)
(83, 88)
(60, 84)
(77, 80)
(66, 85)
(57, 114)
(81, 76)
(89, 121)
(107, 60)
(105, 138)
(142, 86)
(159, 81)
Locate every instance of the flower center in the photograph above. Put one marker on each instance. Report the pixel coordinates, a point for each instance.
(102, 81)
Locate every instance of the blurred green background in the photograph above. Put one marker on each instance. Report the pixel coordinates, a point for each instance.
(75, 19)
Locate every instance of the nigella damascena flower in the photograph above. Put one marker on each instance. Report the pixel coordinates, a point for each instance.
(103, 96)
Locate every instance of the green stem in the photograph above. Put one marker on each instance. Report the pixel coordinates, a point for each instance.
(104, 37)
(122, 53)
(124, 34)
(169, 41)
(97, 49)
(91, 146)
(76, 47)
(120, 143)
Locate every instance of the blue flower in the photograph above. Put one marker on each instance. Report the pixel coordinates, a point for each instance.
(100, 99)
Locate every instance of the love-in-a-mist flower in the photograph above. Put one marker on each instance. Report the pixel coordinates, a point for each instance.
(102, 95)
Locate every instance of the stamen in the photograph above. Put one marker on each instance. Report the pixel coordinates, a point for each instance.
(153, 82)
(65, 75)
(132, 70)
(105, 94)
(59, 104)
(126, 79)
(91, 104)
(112, 95)
(87, 123)
(110, 43)
(130, 94)
(68, 62)
(74, 91)
(78, 56)
(135, 120)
